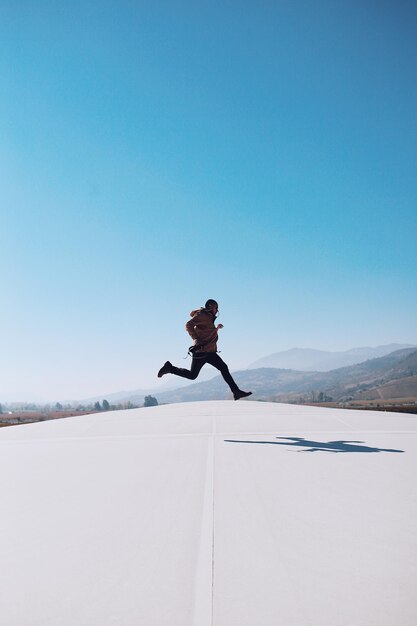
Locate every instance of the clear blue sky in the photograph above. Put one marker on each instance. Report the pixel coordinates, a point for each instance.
(156, 154)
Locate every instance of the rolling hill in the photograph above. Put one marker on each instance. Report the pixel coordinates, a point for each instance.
(307, 359)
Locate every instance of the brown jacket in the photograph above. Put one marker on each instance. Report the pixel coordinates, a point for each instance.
(201, 328)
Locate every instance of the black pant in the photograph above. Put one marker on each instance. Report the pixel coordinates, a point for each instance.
(201, 359)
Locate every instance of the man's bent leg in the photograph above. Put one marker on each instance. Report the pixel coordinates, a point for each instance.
(196, 365)
(217, 362)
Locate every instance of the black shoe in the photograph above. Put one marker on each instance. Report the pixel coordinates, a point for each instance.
(165, 369)
(241, 394)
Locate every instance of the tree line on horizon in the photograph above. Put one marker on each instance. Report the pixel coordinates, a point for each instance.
(58, 406)
(105, 405)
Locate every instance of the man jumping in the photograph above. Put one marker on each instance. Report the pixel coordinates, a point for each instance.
(203, 331)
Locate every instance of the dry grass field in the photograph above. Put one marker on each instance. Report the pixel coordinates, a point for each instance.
(397, 405)
(399, 388)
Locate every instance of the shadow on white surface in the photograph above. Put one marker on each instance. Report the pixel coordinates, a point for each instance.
(318, 446)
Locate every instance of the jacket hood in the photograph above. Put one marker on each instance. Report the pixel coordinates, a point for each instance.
(202, 309)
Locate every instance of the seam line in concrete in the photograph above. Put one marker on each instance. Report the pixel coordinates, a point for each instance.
(213, 513)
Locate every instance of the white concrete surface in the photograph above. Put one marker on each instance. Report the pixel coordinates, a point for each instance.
(210, 514)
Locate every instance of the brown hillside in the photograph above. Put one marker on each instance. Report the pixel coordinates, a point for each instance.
(400, 388)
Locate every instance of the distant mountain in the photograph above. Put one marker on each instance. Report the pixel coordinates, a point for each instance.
(118, 397)
(288, 385)
(306, 359)
(137, 396)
